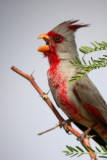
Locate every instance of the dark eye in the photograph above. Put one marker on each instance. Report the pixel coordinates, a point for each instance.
(57, 38)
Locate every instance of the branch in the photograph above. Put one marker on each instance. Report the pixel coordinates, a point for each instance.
(56, 113)
(41, 93)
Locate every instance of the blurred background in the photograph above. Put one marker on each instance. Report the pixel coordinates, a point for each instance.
(23, 113)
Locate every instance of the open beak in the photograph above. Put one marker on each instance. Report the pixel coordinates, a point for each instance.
(46, 47)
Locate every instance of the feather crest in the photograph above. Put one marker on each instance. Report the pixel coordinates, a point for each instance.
(73, 25)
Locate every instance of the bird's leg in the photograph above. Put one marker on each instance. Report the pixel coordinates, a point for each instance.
(85, 134)
(65, 123)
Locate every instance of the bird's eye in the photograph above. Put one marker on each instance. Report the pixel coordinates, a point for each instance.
(57, 39)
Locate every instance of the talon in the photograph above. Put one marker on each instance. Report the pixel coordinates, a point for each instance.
(85, 134)
(64, 124)
(82, 136)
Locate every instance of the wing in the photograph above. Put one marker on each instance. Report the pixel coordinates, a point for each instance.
(89, 95)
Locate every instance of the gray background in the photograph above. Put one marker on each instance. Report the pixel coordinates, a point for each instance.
(22, 112)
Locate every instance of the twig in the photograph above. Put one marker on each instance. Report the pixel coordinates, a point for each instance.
(56, 113)
(49, 129)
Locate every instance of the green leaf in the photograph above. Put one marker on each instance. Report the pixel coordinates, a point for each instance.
(80, 154)
(90, 148)
(82, 50)
(87, 67)
(98, 149)
(79, 149)
(74, 60)
(105, 55)
(67, 152)
(105, 44)
(85, 147)
(78, 60)
(89, 62)
(84, 61)
(101, 45)
(71, 149)
(102, 156)
(104, 149)
(74, 155)
(97, 47)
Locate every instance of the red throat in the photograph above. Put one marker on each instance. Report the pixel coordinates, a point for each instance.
(53, 58)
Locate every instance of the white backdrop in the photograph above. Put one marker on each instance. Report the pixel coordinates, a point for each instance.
(22, 112)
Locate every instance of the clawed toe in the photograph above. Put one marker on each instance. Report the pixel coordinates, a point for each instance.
(64, 124)
(83, 136)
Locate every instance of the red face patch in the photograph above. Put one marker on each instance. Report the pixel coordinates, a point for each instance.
(56, 37)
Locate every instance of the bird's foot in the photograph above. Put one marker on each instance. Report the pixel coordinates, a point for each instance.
(86, 134)
(64, 124)
(83, 136)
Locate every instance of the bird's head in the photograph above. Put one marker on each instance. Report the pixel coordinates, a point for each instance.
(60, 41)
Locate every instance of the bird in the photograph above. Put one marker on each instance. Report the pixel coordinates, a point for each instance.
(82, 101)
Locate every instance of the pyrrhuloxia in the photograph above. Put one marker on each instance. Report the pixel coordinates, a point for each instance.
(81, 101)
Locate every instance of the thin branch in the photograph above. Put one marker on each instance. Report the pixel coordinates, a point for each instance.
(49, 129)
(56, 113)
